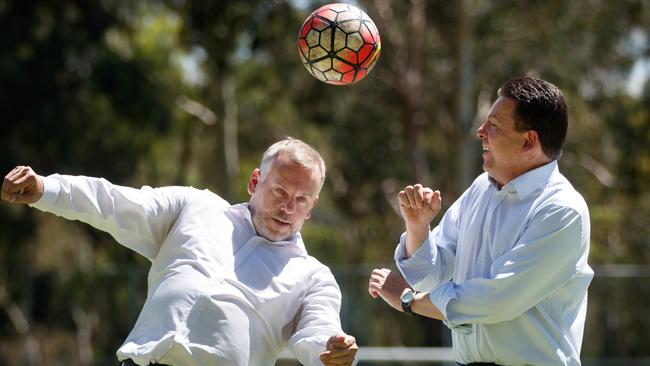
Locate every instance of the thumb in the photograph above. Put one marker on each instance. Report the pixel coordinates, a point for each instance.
(21, 196)
(332, 343)
(27, 192)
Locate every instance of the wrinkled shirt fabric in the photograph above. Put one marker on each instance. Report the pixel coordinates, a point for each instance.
(218, 294)
(508, 270)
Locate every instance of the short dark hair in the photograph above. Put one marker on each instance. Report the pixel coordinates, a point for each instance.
(541, 108)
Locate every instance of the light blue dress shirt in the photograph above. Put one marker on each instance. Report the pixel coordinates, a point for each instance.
(508, 270)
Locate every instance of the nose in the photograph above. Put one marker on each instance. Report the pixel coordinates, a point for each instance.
(288, 206)
(480, 131)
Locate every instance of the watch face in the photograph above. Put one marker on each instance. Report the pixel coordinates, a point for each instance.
(407, 297)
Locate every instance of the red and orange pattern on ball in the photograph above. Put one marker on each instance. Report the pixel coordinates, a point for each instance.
(339, 44)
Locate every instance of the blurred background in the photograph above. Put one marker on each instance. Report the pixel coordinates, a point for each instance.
(184, 92)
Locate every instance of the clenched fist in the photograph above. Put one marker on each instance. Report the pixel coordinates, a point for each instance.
(419, 205)
(340, 350)
(22, 185)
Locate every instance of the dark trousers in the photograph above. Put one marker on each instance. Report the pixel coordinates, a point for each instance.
(477, 364)
(129, 362)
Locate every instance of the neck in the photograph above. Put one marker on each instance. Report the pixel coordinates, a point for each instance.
(528, 166)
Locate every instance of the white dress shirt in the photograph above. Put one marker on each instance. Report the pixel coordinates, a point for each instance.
(218, 294)
(508, 269)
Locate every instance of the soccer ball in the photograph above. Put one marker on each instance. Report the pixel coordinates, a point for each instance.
(339, 44)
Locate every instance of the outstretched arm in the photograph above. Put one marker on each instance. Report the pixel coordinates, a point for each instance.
(22, 185)
(139, 219)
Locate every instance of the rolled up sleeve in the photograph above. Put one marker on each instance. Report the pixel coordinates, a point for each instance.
(433, 262)
(543, 260)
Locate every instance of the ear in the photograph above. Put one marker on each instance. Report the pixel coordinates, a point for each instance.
(312, 207)
(254, 181)
(531, 140)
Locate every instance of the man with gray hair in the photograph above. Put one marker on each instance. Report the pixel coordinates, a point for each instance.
(228, 284)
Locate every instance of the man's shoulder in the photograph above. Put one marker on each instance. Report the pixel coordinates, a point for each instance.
(559, 195)
(315, 267)
(196, 195)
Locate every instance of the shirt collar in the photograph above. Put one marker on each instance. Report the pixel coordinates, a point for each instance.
(243, 213)
(526, 183)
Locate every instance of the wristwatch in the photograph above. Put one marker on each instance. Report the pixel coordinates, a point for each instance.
(407, 299)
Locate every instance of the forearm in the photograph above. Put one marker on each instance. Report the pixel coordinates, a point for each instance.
(415, 236)
(318, 319)
(422, 305)
(136, 218)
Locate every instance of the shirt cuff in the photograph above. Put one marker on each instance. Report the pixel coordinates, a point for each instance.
(440, 298)
(51, 190)
(422, 253)
(418, 266)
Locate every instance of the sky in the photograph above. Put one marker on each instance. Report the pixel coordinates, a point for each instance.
(638, 77)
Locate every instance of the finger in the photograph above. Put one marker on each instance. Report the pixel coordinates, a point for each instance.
(378, 279)
(427, 195)
(15, 185)
(348, 341)
(338, 357)
(21, 179)
(375, 285)
(375, 289)
(403, 199)
(13, 171)
(341, 355)
(332, 341)
(19, 190)
(7, 186)
(4, 189)
(436, 196)
(343, 340)
(380, 272)
(436, 201)
(409, 195)
(375, 277)
(418, 195)
(372, 289)
(340, 342)
(16, 173)
(8, 189)
(348, 360)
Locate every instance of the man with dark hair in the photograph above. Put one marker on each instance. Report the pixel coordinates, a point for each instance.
(229, 285)
(506, 268)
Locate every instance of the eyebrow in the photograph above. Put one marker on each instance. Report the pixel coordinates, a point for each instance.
(300, 193)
